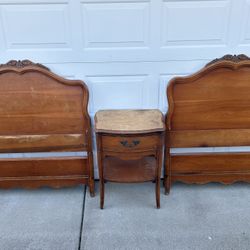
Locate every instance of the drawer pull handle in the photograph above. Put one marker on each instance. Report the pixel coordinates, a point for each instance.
(126, 144)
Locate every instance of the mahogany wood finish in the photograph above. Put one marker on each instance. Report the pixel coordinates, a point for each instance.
(125, 156)
(210, 108)
(43, 112)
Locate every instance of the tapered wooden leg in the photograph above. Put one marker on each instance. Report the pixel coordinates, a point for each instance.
(157, 193)
(158, 177)
(92, 187)
(100, 168)
(102, 194)
(167, 170)
(102, 188)
(167, 185)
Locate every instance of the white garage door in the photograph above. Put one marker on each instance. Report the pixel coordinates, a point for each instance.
(125, 50)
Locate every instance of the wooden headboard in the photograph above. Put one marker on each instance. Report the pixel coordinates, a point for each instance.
(41, 111)
(211, 107)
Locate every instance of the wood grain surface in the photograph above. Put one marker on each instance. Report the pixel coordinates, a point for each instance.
(210, 108)
(43, 112)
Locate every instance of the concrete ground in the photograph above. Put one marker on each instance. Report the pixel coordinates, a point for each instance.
(199, 217)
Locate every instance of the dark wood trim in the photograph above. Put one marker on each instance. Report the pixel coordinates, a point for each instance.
(230, 58)
(22, 64)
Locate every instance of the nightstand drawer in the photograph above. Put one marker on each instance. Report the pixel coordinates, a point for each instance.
(130, 143)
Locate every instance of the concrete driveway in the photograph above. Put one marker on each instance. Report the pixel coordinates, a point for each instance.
(198, 217)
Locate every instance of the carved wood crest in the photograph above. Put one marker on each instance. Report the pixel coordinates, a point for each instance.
(231, 58)
(22, 64)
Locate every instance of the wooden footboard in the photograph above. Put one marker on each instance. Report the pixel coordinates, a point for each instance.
(210, 167)
(36, 172)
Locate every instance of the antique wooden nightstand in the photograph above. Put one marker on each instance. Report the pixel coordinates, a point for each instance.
(129, 147)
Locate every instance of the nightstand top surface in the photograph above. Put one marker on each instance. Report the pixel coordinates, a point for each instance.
(129, 121)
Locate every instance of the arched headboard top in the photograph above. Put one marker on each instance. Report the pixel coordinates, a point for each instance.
(235, 59)
(34, 100)
(18, 65)
(24, 66)
(216, 97)
(233, 62)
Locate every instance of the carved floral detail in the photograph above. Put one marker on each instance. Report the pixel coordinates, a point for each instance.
(231, 58)
(22, 64)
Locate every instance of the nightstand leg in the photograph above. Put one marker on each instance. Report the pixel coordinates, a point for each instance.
(167, 170)
(158, 176)
(100, 167)
(157, 193)
(167, 185)
(92, 188)
(102, 194)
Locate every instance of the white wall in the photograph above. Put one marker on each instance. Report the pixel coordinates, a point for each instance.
(125, 50)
